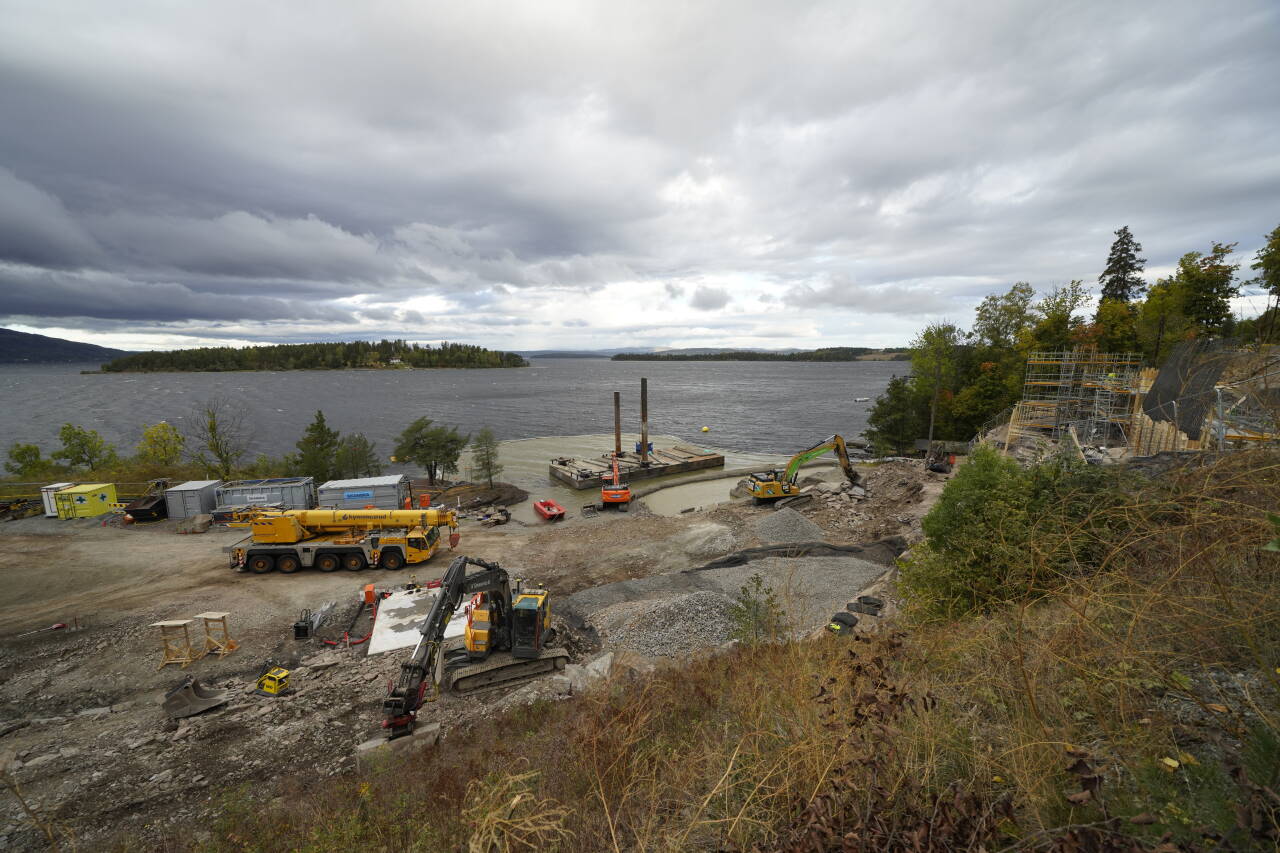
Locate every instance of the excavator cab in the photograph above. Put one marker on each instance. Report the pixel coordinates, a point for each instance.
(529, 617)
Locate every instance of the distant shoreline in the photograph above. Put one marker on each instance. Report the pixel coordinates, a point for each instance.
(834, 354)
(298, 369)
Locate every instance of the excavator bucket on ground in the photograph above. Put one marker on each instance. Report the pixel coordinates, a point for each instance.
(191, 697)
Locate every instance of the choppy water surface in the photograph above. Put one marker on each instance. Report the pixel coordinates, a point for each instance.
(773, 407)
(755, 410)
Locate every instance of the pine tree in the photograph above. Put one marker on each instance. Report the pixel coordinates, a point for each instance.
(1122, 279)
(894, 423)
(484, 451)
(356, 457)
(317, 450)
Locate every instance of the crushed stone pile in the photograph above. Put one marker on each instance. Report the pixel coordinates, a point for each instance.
(668, 627)
(706, 541)
(787, 525)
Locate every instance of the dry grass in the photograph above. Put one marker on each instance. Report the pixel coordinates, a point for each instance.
(1050, 724)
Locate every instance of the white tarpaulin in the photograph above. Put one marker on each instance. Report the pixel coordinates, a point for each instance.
(400, 616)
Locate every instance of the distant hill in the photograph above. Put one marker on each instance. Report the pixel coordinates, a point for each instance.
(25, 348)
(824, 354)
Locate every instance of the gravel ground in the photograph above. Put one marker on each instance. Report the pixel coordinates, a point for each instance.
(810, 588)
(787, 525)
(667, 627)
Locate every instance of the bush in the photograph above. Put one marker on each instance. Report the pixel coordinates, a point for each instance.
(1000, 532)
(756, 614)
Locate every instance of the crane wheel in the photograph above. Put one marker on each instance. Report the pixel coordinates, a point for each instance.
(327, 562)
(353, 562)
(260, 564)
(391, 561)
(288, 563)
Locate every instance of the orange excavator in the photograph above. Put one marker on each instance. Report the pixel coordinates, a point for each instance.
(616, 494)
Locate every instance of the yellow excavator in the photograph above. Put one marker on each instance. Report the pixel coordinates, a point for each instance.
(773, 485)
(328, 539)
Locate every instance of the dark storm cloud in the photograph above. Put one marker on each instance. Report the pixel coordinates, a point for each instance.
(30, 292)
(332, 163)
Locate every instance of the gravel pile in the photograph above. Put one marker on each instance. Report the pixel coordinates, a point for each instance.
(668, 627)
(787, 525)
(706, 541)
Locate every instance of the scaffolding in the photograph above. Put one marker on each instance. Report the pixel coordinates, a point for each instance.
(1084, 393)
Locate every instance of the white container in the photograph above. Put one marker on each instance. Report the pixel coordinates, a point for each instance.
(46, 498)
(387, 492)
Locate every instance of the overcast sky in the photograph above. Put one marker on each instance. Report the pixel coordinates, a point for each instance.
(538, 175)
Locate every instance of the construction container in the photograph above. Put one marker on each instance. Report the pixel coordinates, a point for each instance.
(284, 492)
(389, 492)
(85, 501)
(192, 498)
(46, 498)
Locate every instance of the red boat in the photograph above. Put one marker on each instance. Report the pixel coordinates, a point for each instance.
(548, 509)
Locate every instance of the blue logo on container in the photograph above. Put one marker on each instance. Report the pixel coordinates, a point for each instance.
(355, 496)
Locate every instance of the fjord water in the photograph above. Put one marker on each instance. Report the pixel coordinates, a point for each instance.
(750, 407)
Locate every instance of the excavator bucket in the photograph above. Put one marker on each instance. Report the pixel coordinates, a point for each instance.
(191, 697)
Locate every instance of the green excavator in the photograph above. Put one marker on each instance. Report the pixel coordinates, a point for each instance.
(768, 486)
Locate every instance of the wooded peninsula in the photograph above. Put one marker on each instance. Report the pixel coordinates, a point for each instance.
(315, 356)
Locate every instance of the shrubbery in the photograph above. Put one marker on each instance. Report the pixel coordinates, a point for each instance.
(1001, 532)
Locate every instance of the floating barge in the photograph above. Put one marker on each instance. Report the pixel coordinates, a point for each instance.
(646, 462)
(591, 473)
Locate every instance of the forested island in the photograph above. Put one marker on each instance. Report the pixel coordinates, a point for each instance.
(824, 354)
(316, 356)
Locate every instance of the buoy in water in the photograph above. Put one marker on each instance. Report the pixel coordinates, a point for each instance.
(706, 429)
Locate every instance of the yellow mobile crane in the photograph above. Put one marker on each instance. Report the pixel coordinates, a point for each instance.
(352, 539)
(775, 484)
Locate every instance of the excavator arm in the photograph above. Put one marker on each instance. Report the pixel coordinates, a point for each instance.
(835, 443)
(423, 668)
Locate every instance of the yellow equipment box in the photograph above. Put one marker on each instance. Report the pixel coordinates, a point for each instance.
(85, 501)
(273, 682)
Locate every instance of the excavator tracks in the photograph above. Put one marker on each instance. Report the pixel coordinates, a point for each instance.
(502, 670)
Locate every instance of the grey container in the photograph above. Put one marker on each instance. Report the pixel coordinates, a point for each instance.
(195, 497)
(387, 492)
(285, 492)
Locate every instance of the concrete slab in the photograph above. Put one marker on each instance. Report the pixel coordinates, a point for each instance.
(401, 614)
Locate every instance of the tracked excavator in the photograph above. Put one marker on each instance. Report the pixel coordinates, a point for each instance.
(328, 539)
(505, 641)
(616, 493)
(768, 486)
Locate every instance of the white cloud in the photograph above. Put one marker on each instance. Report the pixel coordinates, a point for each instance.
(556, 175)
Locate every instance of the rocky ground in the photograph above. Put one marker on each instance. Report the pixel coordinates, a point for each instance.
(92, 753)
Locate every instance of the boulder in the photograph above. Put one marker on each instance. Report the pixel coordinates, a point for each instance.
(600, 667)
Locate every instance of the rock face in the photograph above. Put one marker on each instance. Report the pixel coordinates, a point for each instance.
(787, 526)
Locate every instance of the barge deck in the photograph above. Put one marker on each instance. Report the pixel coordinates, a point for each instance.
(590, 473)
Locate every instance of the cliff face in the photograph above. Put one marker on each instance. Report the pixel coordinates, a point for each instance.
(25, 348)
